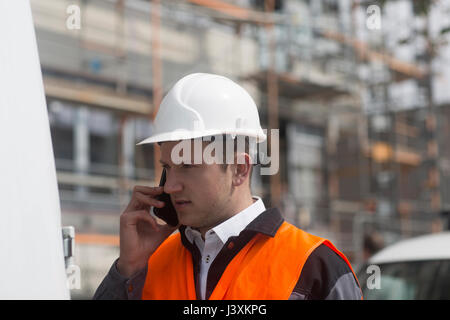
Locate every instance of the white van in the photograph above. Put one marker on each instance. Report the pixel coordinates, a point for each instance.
(413, 269)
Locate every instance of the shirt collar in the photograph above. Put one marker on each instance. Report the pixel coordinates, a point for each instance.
(234, 225)
(266, 223)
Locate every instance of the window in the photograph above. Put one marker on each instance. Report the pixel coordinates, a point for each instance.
(414, 280)
(103, 142)
(144, 156)
(61, 117)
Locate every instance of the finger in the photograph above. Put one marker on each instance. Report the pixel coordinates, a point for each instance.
(141, 201)
(132, 218)
(148, 190)
(135, 204)
(166, 230)
(148, 200)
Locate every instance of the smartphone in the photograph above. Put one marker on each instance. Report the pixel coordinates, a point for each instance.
(166, 213)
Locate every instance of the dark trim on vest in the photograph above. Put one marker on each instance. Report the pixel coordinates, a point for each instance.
(196, 258)
(320, 273)
(266, 223)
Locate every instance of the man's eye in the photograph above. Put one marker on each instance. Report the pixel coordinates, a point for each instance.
(187, 166)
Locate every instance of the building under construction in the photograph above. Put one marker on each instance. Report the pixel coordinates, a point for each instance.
(363, 112)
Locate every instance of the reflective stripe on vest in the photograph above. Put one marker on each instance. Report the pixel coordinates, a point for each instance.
(265, 268)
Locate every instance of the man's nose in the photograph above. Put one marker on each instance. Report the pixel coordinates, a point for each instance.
(172, 184)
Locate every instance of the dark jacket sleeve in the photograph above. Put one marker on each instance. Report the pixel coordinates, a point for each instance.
(117, 287)
(326, 276)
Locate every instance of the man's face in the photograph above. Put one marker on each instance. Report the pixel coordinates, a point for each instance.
(200, 193)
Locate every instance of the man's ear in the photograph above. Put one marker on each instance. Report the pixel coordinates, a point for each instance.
(241, 169)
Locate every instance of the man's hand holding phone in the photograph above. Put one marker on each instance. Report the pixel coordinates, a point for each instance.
(140, 234)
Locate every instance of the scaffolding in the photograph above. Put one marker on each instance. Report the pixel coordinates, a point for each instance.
(352, 160)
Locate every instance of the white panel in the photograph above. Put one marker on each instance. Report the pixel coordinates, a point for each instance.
(31, 252)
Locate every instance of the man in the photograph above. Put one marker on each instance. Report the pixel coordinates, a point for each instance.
(229, 246)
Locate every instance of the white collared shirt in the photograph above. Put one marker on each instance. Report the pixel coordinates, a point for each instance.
(218, 236)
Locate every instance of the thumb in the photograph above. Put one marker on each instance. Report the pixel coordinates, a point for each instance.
(166, 230)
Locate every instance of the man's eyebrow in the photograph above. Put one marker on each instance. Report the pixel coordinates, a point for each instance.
(162, 162)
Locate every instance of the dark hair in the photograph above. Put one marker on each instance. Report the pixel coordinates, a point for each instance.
(373, 242)
(247, 147)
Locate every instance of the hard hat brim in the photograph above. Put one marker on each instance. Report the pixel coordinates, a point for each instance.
(186, 135)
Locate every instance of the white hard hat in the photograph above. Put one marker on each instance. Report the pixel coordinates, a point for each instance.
(201, 105)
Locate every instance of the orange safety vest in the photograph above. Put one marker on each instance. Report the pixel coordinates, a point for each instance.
(265, 268)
